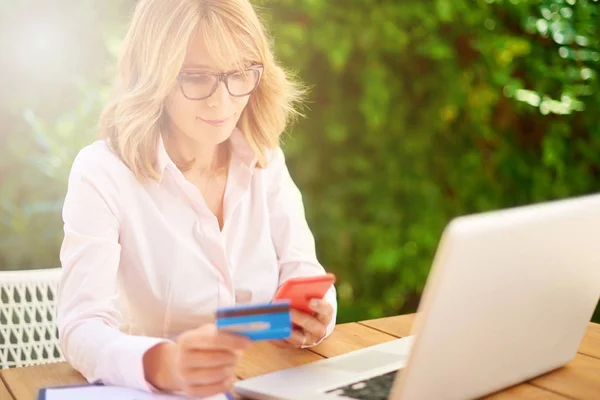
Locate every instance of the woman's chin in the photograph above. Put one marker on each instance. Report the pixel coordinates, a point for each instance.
(215, 134)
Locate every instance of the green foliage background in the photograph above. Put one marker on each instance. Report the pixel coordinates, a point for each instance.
(419, 111)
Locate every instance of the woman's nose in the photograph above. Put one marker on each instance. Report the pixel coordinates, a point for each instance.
(219, 97)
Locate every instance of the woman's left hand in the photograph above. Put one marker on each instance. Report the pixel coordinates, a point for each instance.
(310, 329)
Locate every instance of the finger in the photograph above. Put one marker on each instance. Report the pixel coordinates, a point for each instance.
(202, 391)
(325, 319)
(231, 341)
(208, 337)
(310, 340)
(209, 376)
(297, 338)
(208, 359)
(322, 308)
(302, 319)
(308, 323)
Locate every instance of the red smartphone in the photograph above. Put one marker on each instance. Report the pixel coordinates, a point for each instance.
(302, 289)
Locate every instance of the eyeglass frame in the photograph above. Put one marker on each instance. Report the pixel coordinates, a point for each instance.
(222, 77)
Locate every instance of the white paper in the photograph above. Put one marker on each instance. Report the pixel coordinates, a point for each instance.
(93, 392)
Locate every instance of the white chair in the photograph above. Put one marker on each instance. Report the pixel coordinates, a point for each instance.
(28, 333)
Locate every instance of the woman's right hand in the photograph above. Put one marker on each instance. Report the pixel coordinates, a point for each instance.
(200, 364)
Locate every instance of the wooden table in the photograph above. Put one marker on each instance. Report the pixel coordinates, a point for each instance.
(4, 393)
(580, 379)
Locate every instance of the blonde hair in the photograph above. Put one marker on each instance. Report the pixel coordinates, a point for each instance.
(150, 61)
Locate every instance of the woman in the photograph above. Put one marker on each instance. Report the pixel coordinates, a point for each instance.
(185, 206)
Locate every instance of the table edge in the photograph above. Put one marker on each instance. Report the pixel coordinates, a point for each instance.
(6, 386)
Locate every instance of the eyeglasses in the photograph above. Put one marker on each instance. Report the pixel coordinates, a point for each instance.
(201, 85)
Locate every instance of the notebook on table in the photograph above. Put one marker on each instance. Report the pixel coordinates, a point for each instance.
(101, 392)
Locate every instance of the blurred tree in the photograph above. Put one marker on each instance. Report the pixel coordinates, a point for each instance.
(426, 110)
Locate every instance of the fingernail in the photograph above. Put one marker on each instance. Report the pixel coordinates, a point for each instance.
(314, 303)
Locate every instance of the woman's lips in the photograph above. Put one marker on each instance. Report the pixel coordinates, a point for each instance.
(215, 122)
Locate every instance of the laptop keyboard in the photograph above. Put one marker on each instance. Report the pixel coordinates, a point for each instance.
(375, 388)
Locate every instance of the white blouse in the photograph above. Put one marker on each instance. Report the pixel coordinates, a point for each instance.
(144, 262)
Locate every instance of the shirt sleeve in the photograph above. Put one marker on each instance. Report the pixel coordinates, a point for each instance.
(87, 314)
(292, 237)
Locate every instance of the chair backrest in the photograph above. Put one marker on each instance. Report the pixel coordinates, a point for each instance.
(28, 332)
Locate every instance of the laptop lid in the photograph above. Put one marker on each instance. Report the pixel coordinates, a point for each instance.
(509, 297)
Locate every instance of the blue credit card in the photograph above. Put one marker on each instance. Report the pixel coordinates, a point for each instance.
(270, 321)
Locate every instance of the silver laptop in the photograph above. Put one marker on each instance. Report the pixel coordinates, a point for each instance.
(508, 298)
